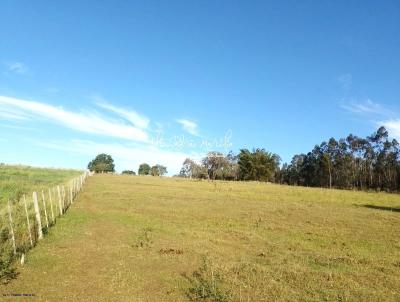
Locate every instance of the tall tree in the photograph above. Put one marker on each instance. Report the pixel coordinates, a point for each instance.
(102, 163)
(144, 169)
(216, 164)
(158, 170)
(162, 170)
(154, 171)
(354, 162)
(257, 165)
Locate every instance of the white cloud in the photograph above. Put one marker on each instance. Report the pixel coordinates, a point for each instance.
(79, 121)
(393, 126)
(346, 80)
(130, 115)
(12, 113)
(188, 126)
(135, 148)
(126, 157)
(366, 107)
(377, 115)
(17, 67)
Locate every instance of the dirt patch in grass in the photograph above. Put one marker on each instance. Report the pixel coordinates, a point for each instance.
(170, 251)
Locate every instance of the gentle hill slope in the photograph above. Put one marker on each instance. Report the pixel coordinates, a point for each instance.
(16, 180)
(132, 238)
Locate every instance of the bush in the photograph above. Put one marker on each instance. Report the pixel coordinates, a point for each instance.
(207, 285)
(129, 172)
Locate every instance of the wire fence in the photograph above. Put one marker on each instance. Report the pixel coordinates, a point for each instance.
(25, 221)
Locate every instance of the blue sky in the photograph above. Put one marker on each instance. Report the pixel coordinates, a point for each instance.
(157, 81)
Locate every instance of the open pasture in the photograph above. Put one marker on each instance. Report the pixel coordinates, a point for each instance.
(17, 180)
(131, 238)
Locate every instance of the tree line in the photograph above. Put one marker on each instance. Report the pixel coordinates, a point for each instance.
(353, 162)
(104, 163)
(348, 163)
(247, 165)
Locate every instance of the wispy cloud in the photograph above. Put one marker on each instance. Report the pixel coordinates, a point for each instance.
(345, 80)
(80, 121)
(9, 114)
(366, 107)
(376, 114)
(188, 126)
(19, 127)
(12, 113)
(17, 67)
(393, 126)
(132, 116)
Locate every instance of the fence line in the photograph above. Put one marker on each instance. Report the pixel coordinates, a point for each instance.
(11, 228)
(25, 219)
(28, 222)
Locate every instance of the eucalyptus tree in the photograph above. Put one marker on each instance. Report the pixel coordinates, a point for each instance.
(354, 162)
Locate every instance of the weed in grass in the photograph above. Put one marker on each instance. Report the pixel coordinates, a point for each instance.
(7, 272)
(145, 238)
(206, 284)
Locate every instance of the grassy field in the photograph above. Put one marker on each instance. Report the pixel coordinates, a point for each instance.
(14, 182)
(18, 180)
(131, 238)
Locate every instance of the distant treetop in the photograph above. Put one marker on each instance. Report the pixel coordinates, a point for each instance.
(144, 169)
(102, 163)
(129, 172)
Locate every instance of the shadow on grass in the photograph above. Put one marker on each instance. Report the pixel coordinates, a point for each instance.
(383, 208)
(7, 275)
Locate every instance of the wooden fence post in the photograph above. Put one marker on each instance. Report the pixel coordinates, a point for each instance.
(51, 206)
(55, 202)
(27, 221)
(37, 212)
(70, 195)
(45, 211)
(59, 200)
(63, 198)
(11, 228)
(66, 197)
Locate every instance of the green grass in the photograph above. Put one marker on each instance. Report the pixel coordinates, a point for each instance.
(131, 238)
(18, 180)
